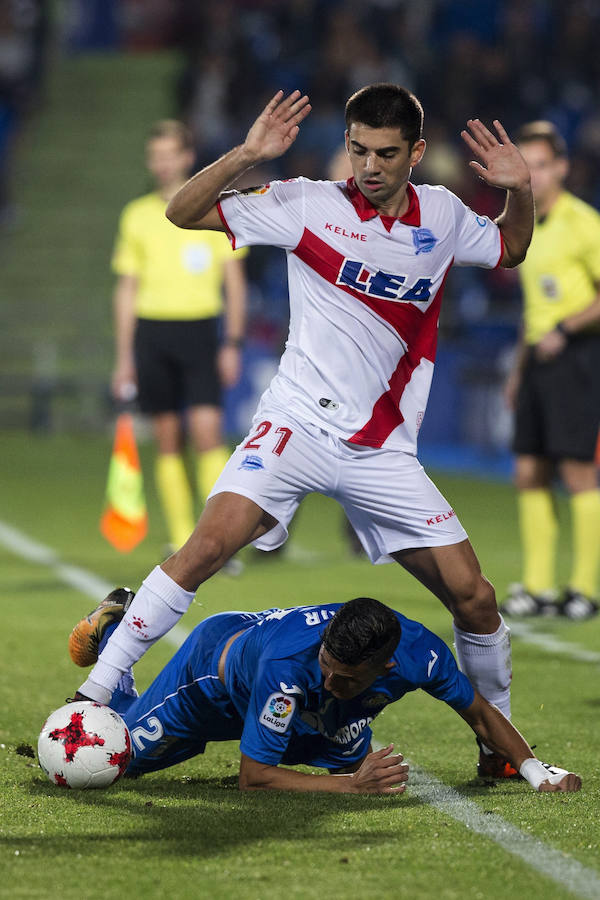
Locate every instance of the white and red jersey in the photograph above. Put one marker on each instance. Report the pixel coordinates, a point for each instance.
(365, 293)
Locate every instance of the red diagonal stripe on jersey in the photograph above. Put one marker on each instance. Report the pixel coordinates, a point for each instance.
(417, 329)
(386, 413)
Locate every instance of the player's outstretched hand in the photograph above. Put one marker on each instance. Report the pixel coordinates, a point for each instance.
(568, 783)
(501, 164)
(277, 127)
(381, 773)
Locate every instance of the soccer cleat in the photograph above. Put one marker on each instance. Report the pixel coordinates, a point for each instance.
(521, 602)
(85, 638)
(491, 765)
(577, 606)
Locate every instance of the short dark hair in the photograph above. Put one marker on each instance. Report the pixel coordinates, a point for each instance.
(172, 128)
(362, 630)
(387, 106)
(542, 130)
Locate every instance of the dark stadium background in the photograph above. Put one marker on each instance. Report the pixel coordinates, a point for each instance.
(81, 80)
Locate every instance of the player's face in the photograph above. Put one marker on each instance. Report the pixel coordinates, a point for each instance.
(346, 682)
(167, 161)
(547, 170)
(381, 161)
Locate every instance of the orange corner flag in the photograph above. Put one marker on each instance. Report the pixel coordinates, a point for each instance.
(124, 522)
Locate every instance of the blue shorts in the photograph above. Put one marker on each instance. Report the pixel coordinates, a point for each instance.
(186, 706)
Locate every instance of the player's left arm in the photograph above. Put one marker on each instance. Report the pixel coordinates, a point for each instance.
(501, 165)
(500, 735)
(234, 284)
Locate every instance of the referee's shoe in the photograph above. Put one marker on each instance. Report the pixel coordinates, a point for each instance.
(577, 606)
(520, 603)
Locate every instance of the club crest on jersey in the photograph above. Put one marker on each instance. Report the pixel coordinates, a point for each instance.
(424, 240)
(382, 285)
(277, 712)
(251, 462)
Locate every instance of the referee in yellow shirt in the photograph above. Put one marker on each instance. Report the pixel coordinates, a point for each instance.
(167, 304)
(555, 386)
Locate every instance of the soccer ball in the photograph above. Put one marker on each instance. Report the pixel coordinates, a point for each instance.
(84, 745)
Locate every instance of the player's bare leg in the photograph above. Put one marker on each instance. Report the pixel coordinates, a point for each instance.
(454, 575)
(228, 523)
(482, 639)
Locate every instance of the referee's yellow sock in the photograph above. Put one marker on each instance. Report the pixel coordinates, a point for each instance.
(585, 519)
(539, 532)
(175, 496)
(208, 467)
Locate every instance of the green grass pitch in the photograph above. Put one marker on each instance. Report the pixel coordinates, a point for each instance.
(188, 831)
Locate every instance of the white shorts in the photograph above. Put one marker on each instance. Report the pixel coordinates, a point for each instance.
(387, 496)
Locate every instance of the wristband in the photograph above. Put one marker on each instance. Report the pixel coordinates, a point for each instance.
(560, 326)
(535, 772)
(233, 342)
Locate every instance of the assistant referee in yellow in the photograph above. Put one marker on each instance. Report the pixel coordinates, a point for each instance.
(555, 386)
(173, 286)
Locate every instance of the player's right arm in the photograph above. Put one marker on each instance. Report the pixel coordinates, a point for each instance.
(124, 378)
(379, 773)
(273, 132)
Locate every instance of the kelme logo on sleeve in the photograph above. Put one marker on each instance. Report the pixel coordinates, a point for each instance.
(277, 712)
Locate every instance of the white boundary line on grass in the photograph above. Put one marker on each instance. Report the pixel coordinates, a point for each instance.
(81, 579)
(552, 863)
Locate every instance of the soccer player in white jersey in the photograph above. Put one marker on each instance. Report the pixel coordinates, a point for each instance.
(367, 259)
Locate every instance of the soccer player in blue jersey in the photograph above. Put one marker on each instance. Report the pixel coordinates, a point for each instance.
(302, 686)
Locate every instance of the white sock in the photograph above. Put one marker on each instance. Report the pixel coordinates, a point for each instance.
(486, 661)
(157, 606)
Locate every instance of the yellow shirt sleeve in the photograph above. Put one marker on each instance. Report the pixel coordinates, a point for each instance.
(590, 242)
(127, 256)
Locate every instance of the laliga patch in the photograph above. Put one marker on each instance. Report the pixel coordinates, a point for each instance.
(278, 712)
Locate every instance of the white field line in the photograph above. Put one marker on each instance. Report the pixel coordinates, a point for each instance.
(551, 643)
(81, 580)
(553, 864)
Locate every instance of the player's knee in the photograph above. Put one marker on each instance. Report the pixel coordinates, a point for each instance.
(475, 607)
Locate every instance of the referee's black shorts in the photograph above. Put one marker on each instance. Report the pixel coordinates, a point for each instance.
(558, 405)
(176, 364)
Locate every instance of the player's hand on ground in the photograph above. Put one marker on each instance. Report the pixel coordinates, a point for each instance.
(568, 783)
(381, 773)
(500, 162)
(277, 127)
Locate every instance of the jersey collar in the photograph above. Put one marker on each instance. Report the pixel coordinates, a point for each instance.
(365, 209)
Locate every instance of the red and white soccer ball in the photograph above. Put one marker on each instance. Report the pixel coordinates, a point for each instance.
(84, 745)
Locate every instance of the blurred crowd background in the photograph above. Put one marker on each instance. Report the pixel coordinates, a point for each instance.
(76, 64)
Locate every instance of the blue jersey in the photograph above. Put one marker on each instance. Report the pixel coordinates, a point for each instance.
(274, 681)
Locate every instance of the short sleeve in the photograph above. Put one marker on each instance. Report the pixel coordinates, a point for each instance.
(271, 712)
(127, 255)
(478, 241)
(444, 679)
(272, 214)
(591, 248)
